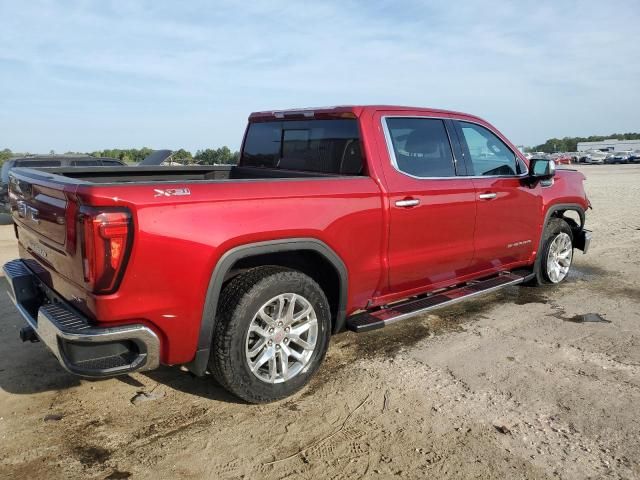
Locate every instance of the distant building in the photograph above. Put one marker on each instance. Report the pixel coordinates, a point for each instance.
(610, 144)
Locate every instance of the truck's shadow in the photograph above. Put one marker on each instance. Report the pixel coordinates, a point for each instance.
(205, 387)
(26, 368)
(31, 368)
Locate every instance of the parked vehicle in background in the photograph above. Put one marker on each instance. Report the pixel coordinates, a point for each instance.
(562, 158)
(635, 157)
(531, 155)
(39, 161)
(619, 157)
(575, 156)
(595, 157)
(326, 223)
(586, 155)
(157, 157)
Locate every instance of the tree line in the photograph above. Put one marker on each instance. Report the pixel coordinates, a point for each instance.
(570, 144)
(208, 156)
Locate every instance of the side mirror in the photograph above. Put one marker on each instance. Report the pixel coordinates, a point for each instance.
(541, 169)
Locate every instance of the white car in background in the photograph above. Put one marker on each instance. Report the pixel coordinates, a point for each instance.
(595, 157)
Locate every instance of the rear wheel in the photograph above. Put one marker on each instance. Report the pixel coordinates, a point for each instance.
(272, 333)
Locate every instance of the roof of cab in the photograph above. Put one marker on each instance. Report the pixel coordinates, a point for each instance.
(355, 110)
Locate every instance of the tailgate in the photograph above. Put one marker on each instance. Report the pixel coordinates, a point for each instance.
(75, 248)
(44, 215)
(41, 209)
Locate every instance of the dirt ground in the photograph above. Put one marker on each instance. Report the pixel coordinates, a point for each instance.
(514, 385)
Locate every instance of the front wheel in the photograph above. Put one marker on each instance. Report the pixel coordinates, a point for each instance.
(554, 259)
(272, 333)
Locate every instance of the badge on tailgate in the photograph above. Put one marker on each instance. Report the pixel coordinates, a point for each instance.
(38, 250)
(25, 211)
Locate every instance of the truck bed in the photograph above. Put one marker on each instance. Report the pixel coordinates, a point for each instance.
(155, 174)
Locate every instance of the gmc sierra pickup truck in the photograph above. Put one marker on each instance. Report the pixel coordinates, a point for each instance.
(334, 218)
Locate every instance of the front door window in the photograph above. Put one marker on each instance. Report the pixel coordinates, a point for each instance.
(488, 154)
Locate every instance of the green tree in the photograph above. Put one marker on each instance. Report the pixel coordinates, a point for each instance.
(218, 156)
(182, 156)
(5, 154)
(205, 157)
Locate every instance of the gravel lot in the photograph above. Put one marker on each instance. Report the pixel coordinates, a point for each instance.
(513, 385)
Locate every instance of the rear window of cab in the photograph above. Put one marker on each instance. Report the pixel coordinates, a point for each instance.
(323, 146)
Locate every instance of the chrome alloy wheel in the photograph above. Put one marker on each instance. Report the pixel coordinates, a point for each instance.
(559, 257)
(282, 337)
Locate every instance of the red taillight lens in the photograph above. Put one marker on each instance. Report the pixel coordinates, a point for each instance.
(106, 240)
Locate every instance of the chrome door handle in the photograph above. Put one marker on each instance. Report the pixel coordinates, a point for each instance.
(407, 203)
(487, 196)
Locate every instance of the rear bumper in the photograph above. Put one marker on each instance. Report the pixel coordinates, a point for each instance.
(80, 347)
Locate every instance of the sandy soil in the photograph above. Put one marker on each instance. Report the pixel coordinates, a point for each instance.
(509, 386)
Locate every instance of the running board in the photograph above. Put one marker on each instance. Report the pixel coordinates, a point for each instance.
(372, 320)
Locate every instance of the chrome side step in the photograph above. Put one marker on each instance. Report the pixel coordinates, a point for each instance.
(372, 320)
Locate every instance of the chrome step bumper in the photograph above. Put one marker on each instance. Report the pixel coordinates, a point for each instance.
(372, 320)
(80, 347)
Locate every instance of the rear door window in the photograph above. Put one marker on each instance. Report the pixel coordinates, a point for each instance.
(420, 147)
(323, 146)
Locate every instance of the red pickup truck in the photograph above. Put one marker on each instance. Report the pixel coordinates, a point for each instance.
(346, 217)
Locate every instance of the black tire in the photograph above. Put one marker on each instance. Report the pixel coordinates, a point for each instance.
(554, 227)
(240, 300)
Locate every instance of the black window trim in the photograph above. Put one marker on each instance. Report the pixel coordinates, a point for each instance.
(467, 155)
(459, 156)
(457, 162)
(462, 169)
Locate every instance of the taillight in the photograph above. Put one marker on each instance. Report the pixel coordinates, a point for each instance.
(106, 241)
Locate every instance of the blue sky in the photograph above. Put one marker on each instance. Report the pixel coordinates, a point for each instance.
(88, 75)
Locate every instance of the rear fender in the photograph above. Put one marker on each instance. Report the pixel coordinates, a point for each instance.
(200, 362)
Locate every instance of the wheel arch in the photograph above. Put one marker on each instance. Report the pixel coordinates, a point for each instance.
(292, 253)
(558, 210)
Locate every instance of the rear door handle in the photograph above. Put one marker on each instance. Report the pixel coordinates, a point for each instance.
(487, 196)
(409, 202)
